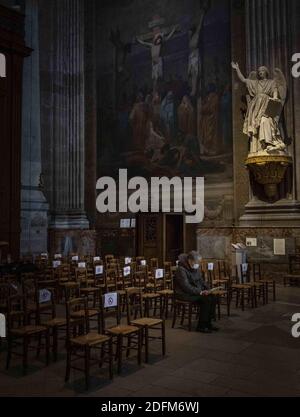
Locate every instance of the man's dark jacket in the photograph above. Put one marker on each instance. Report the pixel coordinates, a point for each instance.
(188, 282)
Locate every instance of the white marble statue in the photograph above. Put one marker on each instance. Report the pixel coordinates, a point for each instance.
(265, 104)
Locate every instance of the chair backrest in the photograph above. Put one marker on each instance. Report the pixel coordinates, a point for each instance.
(81, 275)
(46, 305)
(134, 303)
(16, 312)
(140, 279)
(77, 324)
(154, 262)
(222, 269)
(245, 273)
(256, 271)
(110, 308)
(159, 279)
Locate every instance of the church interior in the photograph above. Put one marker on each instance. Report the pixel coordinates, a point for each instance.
(166, 89)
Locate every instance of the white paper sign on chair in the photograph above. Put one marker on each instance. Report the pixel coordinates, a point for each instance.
(57, 256)
(44, 255)
(56, 264)
(143, 262)
(81, 265)
(110, 300)
(210, 266)
(128, 261)
(126, 271)
(75, 258)
(99, 270)
(96, 258)
(244, 267)
(159, 273)
(2, 325)
(44, 296)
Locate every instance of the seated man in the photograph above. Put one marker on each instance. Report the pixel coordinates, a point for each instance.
(190, 286)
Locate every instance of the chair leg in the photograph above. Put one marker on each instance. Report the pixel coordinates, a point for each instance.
(47, 337)
(243, 299)
(163, 337)
(167, 306)
(111, 358)
(68, 364)
(87, 367)
(174, 315)
(146, 344)
(128, 346)
(190, 317)
(140, 338)
(9, 348)
(55, 343)
(120, 352)
(219, 307)
(25, 355)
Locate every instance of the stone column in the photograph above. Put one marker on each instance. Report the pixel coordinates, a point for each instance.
(34, 207)
(68, 116)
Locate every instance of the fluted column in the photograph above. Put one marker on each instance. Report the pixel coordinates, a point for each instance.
(34, 208)
(68, 115)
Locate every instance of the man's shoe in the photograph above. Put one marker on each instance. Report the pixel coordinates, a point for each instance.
(203, 330)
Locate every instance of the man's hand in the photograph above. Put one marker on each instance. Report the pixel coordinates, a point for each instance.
(204, 292)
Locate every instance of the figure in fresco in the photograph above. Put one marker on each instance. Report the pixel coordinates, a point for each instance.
(186, 117)
(159, 38)
(267, 98)
(168, 116)
(194, 65)
(208, 123)
(139, 117)
(154, 144)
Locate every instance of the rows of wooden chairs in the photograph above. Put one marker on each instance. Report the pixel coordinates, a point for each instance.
(91, 330)
(243, 285)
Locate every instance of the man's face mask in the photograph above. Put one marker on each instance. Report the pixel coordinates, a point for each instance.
(196, 266)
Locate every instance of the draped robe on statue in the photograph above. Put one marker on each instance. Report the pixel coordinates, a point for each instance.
(257, 124)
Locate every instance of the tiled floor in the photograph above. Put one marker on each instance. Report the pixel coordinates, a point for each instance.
(254, 354)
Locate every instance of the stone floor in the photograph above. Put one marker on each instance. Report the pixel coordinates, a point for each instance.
(254, 354)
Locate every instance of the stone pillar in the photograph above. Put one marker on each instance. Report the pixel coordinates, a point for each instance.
(268, 42)
(68, 116)
(62, 24)
(34, 208)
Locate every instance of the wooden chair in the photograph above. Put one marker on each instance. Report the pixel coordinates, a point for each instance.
(86, 290)
(122, 333)
(185, 310)
(21, 333)
(81, 343)
(265, 282)
(293, 276)
(147, 324)
(153, 263)
(243, 288)
(49, 319)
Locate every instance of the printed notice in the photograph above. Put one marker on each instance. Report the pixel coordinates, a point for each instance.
(279, 246)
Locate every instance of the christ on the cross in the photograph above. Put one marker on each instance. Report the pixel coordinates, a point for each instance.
(159, 38)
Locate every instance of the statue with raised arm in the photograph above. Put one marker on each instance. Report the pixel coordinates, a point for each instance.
(266, 100)
(194, 56)
(159, 37)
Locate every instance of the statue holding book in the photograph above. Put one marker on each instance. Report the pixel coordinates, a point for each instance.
(268, 158)
(266, 100)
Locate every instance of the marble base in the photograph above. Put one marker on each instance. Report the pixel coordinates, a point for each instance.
(71, 220)
(66, 241)
(283, 213)
(34, 221)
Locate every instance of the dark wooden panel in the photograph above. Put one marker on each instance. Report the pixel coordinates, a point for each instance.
(13, 47)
